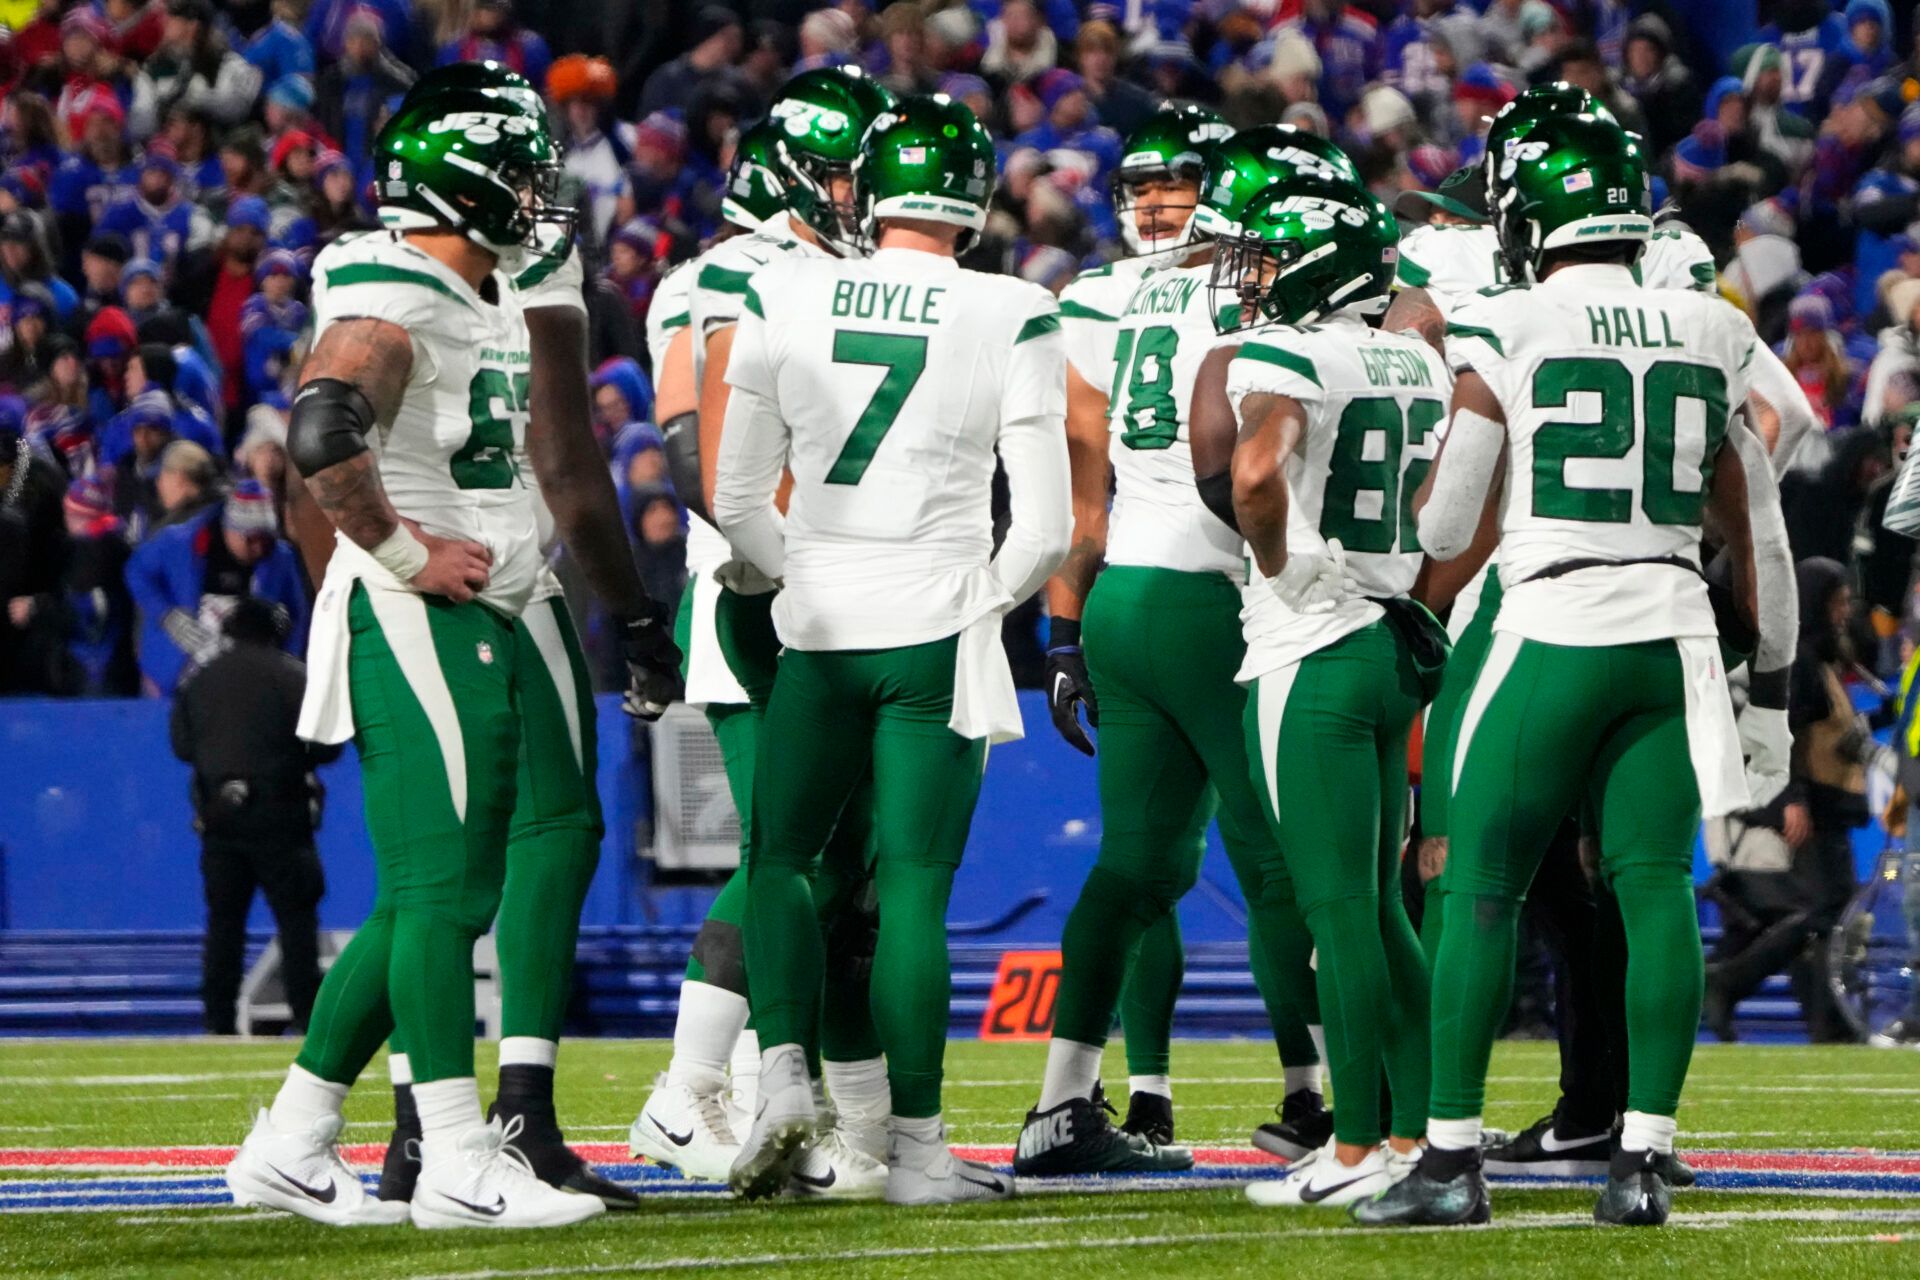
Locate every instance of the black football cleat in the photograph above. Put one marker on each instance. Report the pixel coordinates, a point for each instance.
(1446, 1189)
(401, 1168)
(1635, 1195)
(1150, 1116)
(1076, 1137)
(1303, 1128)
(1548, 1149)
(1674, 1170)
(557, 1164)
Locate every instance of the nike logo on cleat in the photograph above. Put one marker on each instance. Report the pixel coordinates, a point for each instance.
(818, 1184)
(1549, 1142)
(993, 1185)
(1310, 1194)
(676, 1139)
(1044, 1133)
(321, 1195)
(498, 1207)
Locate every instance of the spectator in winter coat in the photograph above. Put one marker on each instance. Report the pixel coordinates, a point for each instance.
(1813, 40)
(156, 219)
(1659, 82)
(271, 322)
(621, 396)
(493, 36)
(351, 94)
(91, 615)
(1019, 45)
(24, 260)
(186, 579)
(110, 341)
(1813, 352)
(1123, 106)
(26, 358)
(142, 294)
(584, 89)
(216, 284)
(87, 181)
(717, 39)
(33, 552)
(280, 48)
(333, 202)
(189, 131)
(186, 484)
(194, 65)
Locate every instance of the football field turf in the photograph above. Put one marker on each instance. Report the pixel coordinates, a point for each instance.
(111, 1150)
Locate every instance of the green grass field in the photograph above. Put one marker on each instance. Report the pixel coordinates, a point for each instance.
(175, 1093)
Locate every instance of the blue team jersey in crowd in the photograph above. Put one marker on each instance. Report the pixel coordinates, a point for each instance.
(82, 187)
(1812, 63)
(153, 232)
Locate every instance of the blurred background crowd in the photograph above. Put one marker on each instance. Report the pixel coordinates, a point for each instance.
(169, 168)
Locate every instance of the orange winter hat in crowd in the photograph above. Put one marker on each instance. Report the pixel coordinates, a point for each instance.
(578, 76)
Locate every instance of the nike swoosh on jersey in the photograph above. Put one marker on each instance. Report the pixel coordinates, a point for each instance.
(676, 1139)
(1309, 1195)
(322, 1195)
(498, 1207)
(818, 1184)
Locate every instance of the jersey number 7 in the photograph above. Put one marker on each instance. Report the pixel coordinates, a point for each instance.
(904, 357)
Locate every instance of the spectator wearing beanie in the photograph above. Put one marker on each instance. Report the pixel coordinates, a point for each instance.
(1870, 35)
(130, 450)
(291, 166)
(157, 220)
(26, 358)
(110, 339)
(193, 65)
(215, 285)
(326, 26)
(186, 578)
(1814, 353)
(92, 614)
(88, 180)
(66, 436)
(262, 451)
(335, 206)
(143, 295)
(634, 255)
(715, 43)
(1478, 95)
(280, 48)
(271, 322)
(351, 92)
(493, 36)
(1659, 82)
(134, 27)
(584, 89)
(24, 261)
(1885, 202)
(189, 131)
(621, 396)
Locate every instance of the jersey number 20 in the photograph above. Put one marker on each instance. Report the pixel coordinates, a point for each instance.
(1666, 384)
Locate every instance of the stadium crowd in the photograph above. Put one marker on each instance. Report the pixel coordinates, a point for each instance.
(168, 170)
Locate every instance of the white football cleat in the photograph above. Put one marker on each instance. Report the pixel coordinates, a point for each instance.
(783, 1122)
(946, 1179)
(1320, 1180)
(485, 1182)
(303, 1173)
(833, 1167)
(686, 1127)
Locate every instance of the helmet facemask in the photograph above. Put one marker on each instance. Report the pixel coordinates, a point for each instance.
(1172, 204)
(810, 182)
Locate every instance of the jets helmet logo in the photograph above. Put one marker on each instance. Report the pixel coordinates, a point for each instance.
(1318, 213)
(483, 127)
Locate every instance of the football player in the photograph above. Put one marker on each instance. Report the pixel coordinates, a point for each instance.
(892, 602)
(1592, 443)
(1337, 423)
(427, 658)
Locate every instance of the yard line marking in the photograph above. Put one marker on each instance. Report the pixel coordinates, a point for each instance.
(91, 1081)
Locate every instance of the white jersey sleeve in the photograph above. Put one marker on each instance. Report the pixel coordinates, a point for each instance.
(555, 280)
(1090, 307)
(668, 313)
(1373, 402)
(1676, 258)
(1451, 261)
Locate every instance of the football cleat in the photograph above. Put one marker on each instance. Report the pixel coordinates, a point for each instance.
(686, 1127)
(1674, 1170)
(401, 1168)
(833, 1167)
(1902, 1033)
(303, 1173)
(554, 1162)
(783, 1123)
(1150, 1116)
(1635, 1195)
(1303, 1127)
(484, 1181)
(1076, 1137)
(1445, 1189)
(1544, 1150)
(1320, 1179)
(945, 1179)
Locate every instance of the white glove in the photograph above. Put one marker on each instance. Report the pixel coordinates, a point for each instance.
(1313, 583)
(1767, 745)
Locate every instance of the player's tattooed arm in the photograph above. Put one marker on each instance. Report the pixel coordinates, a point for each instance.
(1270, 428)
(1413, 311)
(1211, 432)
(1091, 476)
(566, 458)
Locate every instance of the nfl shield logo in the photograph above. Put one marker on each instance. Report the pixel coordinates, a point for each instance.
(485, 651)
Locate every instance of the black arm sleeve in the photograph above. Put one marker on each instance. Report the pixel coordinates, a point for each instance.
(682, 435)
(1217, 492)
(329, 425)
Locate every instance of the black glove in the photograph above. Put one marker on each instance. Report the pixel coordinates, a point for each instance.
(653, 667)
(1068, 687)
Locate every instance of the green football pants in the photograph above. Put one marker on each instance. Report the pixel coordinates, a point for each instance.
(834, 717)
(1329, 738)
(1547, 726)
(1162, 651)
(436, 690)
(744, 627)
(1470, 642)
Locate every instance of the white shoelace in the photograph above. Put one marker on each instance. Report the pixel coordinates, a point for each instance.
(500, 1155)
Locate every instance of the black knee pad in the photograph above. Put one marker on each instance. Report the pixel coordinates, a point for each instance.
(852, 932)
(723, 954)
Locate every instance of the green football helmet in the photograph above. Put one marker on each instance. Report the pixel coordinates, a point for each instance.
(468, 150)
(1251, 161)
(1570, 180)
(1171, 146)
(753, 194)
(928, 158)
(1512, 121)
(1308, 246)
(820, 117)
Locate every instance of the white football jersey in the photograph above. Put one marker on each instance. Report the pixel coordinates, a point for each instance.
(1675, 258)
(449, 458)
(671, 313)
(1450, 261)
(1374, 402)
(1090, 306)
(1617, 398)
(554, 281)
(893, 376)
(1158, 519)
